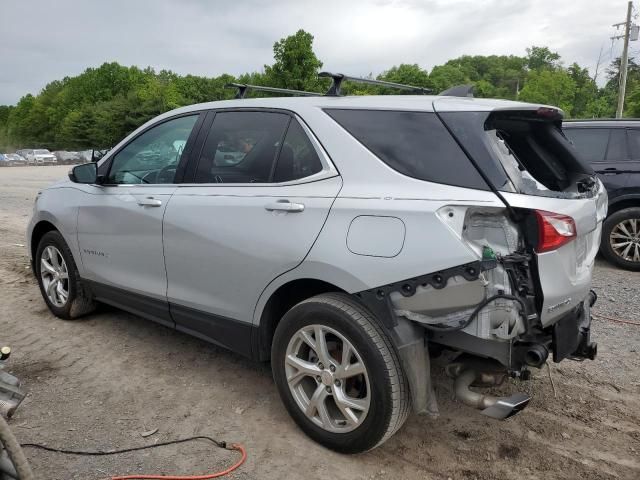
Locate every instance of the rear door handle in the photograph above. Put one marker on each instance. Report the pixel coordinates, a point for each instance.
(149, 202)
(284, 206)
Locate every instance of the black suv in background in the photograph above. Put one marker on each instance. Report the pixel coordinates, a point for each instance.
(613, 149)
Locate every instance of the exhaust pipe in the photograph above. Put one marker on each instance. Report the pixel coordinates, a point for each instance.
(495, 407)
(481, 372)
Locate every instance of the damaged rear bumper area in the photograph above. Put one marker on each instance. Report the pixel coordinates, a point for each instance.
(487, 311)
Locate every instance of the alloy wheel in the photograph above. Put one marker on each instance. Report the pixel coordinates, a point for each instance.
(625, 239)
(327, 378)
(54, 276)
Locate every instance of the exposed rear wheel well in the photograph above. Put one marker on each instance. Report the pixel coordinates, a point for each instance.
(39, 230)
(280, 302)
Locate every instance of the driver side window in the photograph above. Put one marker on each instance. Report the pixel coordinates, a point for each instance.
(153, 156)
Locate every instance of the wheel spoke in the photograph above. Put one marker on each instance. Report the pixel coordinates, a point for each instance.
(53, 258)
(303, 369)
(317, 405)
(623, 227)
(46, 267)
(616, 234)
(347, 405)
(61, 292)
(51, 290)
(620, 245)
(636, 253)
(349, 402)
(625, 253)
(308, 339)
(321, 346)
(352, 370)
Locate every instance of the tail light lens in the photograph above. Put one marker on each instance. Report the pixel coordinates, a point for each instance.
(554, 230)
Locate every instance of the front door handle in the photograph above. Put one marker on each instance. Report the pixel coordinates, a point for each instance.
(149, 202)
(284, 206)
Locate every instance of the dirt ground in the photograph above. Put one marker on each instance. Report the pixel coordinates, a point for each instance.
(99, 382)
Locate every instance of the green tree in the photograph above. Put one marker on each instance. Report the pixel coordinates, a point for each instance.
(552, 87)
(541, 57)
(296, 65)
(408, 74)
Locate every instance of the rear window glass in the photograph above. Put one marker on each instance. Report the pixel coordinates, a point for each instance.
(415, 144)
(590, 142)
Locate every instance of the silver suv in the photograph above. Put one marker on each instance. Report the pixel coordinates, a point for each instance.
(343, 239)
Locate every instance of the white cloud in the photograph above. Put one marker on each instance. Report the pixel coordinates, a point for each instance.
(41, 41)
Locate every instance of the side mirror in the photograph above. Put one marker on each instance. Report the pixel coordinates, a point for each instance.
(85, 173)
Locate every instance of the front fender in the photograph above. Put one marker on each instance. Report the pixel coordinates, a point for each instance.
(57, 207)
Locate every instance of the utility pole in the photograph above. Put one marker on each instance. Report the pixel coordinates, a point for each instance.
(623, 62)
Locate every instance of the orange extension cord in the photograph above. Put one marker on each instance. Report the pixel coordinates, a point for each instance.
(235, 446)
(616, 320)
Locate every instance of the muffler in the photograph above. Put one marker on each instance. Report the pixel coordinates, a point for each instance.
(468, 371)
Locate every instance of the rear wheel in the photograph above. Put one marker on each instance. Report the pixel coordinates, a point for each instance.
(621, 238)
(338, 374)
(59, 280)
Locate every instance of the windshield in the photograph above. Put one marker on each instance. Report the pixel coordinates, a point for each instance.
(41, 152)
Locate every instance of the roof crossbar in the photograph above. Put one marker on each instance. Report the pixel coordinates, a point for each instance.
(243, 87)
(338, 78)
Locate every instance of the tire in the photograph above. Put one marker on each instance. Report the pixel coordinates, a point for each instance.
(611, 231)
(79, 300)
(383, 386)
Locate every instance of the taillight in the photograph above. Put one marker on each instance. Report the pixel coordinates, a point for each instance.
(554, 230)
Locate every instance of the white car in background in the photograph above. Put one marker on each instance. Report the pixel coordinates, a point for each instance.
(38, 156)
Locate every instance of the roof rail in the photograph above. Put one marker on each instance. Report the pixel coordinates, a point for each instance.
(338, 78)
(243, 87)
(458, 91)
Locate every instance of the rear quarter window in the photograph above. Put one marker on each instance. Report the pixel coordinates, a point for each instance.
(415, 144)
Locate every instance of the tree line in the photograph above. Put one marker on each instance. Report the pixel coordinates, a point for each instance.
(102, 105)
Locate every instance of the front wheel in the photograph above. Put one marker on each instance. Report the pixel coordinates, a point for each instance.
(621, 238)
(59, 280)
(338, 374)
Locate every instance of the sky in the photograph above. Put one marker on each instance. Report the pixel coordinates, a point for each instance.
(43, 40)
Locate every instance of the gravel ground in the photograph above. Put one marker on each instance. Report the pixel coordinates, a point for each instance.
(100, 382)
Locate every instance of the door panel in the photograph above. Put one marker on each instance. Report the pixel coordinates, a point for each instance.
(225, 243)
(606, 150)
(120, 222)
(120, 237)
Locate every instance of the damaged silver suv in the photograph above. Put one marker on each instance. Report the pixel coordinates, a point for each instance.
(340, 238)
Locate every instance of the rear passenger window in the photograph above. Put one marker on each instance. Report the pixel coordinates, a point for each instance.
(415, 144)
(591, 143)
(241, 147)
(297, 159)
